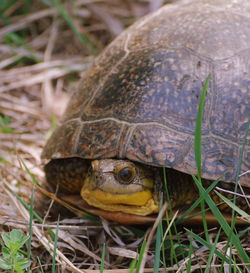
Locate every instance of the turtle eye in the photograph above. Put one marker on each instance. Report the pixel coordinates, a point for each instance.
(126, 175)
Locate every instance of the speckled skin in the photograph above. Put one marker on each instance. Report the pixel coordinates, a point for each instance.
(139, 100)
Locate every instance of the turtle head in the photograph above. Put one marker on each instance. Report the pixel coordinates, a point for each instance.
(120, 185)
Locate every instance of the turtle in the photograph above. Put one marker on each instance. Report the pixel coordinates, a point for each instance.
(135, 109)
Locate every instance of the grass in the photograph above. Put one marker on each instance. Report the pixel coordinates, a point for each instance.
(55, 246)
(140, 256)
(102, 265)
(198, 148)
(4, 121)
(65, 15)
(33, 90)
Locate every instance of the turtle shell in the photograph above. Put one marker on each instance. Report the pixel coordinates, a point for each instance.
(140, 98)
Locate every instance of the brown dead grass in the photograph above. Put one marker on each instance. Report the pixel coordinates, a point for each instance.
(36, 80)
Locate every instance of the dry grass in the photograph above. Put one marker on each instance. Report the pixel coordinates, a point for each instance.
(41, 60)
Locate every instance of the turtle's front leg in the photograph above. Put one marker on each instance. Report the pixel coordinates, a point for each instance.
(67, 173)
(181, 188)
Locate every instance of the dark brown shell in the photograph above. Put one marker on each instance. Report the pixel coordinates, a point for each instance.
(139, 100)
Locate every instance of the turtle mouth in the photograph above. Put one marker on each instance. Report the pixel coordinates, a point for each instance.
(138, 203)
(117, 216)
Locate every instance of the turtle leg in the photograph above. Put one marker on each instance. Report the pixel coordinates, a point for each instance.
(158, 186)
(67, 173)
(181, 188)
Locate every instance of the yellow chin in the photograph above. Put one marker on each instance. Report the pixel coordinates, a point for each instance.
(139, 203)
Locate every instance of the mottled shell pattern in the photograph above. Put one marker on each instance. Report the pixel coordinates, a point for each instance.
(139, 100)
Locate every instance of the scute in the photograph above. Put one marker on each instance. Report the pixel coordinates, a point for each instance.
(62, 142)
(157, 145)
(93, 78)
(212, 29)
(231, 108)
(99, 139)
(161, 86)
(139, 100)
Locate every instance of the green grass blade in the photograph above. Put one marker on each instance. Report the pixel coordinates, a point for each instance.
(132, 266)
(208, 245)
(198, 127)
(212, 252)
(31, 207)
(65, 15)
(55, 246)
(169, 214)
(198, 147)
(223, 223)
(33, 178)
(26, 205)
(5, 5)
(163, 251)
(140, 257)
(103, 258)
(158, 248)
(233, 217)
(234, 207)
(40, 264)
(184, 217)
(238, 174)
(190, 252)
